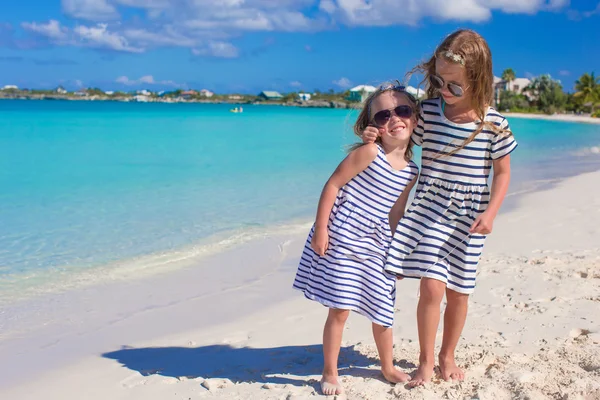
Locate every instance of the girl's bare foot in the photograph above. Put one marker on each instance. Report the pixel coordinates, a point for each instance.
(423, 375)
(394, 375)
(449, 370)
(330, 385)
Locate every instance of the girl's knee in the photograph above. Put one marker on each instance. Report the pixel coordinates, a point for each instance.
(456, 297)
(338, 315)
(432, 290)
(380, 328)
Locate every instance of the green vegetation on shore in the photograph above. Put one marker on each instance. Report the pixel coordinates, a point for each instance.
(545, 95)
(542, 95)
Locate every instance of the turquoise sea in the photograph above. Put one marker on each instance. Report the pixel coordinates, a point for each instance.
(93, 187)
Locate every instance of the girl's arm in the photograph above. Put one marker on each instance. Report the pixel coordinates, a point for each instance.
(484, 222)
(397, 211)
(356, 162)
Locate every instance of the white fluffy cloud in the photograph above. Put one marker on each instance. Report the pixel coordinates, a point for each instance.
(93, 10)
(52, 29)
(98, 36)
(344, 83)
(410, 12)
(208, 26)
(217, 49)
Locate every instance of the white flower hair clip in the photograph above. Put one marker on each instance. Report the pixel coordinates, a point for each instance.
(454, 57)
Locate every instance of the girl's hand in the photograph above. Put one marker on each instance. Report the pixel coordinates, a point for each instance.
(370, 134)
(320, 241)
(483, 224)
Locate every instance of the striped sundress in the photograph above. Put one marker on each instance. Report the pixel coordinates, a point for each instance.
(432, 239)
(350, 276)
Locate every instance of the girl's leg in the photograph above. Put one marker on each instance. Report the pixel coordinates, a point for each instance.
(454, 321)
(385, 347)
(332, 340)
(428, 319)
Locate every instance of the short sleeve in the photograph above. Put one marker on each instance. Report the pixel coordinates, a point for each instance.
(504, 143)
(417, 135)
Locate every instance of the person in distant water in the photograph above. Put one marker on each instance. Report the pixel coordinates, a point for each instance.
(342, 263)
(441, 236)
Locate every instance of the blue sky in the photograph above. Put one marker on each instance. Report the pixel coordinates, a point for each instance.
(250, 45)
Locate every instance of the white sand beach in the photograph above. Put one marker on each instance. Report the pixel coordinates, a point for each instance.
(229, 326)
(556, 117)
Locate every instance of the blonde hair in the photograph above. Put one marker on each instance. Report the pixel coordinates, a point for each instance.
(364, 117)
(476, 58)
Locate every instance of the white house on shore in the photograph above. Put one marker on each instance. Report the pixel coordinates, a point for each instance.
(10, 87)
(361, 92)
(304, 96)
(206, 93)
(517, 86)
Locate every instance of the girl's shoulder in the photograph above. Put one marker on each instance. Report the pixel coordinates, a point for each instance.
(364, 154)
(431, 103)
(496, 118)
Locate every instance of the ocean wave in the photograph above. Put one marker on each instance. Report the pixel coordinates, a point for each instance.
(21, 286)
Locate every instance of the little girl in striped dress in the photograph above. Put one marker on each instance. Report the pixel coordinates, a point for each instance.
(342, 263)
(441, 236)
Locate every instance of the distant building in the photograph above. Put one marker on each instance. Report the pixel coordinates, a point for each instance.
(517, 86)
(61, 90)
(270, 95)
(304, 96)
(144, 92)
(10, 87)
(361, 92)
(188, 94)
(206, 93)
(141, 98)
(109, 93)
(235, 97)
(81, 93)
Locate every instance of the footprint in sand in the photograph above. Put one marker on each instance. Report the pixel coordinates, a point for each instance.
(133, 380)
(577, 333)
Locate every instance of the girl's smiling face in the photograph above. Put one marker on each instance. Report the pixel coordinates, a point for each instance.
(397, 128)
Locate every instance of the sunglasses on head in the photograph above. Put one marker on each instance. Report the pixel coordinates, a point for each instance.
(455, 89)
(382, 117)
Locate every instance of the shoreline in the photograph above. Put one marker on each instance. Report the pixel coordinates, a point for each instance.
(18, 289)
(332, 104)
(556, 117)
(159, 336)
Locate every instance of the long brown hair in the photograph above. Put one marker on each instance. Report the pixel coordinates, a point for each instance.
(475, 52)
(365, 118)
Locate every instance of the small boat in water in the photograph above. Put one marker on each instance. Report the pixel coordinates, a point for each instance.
(236, 110)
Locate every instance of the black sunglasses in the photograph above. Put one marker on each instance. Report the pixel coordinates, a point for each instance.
(455, 89)
(382, 117)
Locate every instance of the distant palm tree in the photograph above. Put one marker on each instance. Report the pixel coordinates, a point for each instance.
(588, 89)
(508, 75)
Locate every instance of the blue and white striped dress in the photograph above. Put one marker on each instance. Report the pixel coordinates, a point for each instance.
(350, 276)
(432, 239)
